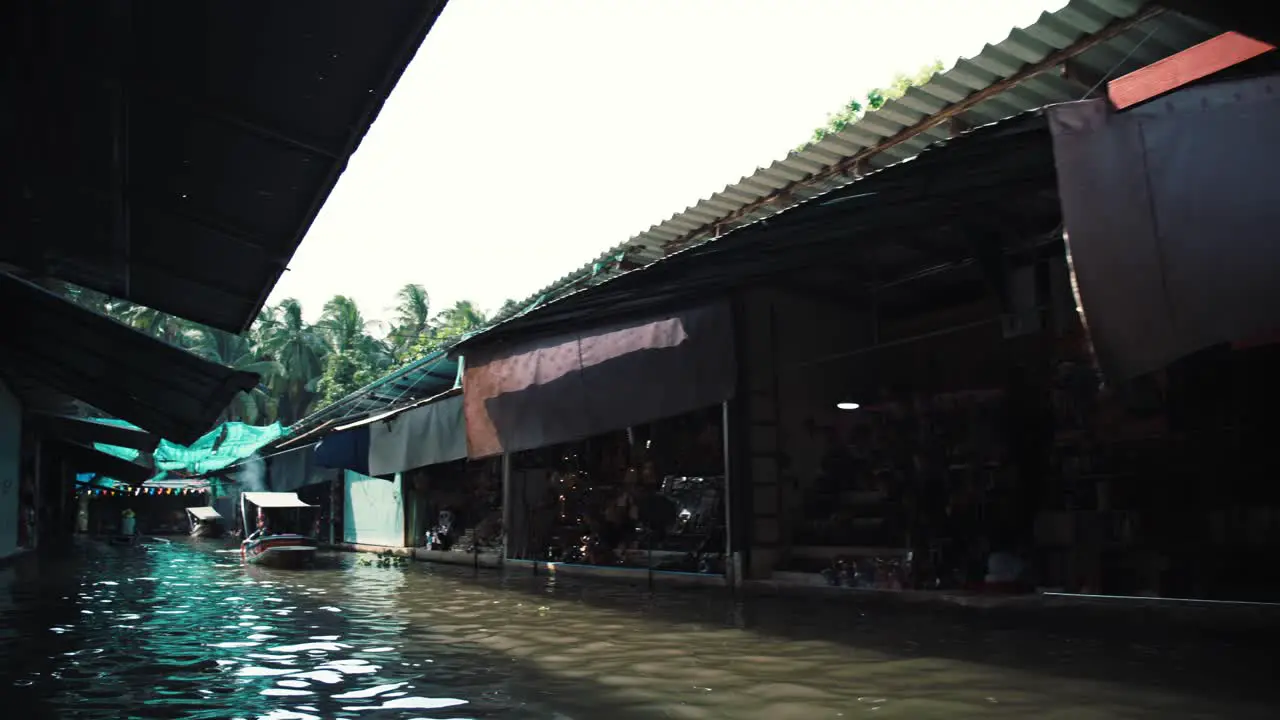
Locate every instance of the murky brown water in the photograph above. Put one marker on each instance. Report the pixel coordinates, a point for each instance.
(179, 630)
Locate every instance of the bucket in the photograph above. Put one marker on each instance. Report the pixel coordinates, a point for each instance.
(127, 525)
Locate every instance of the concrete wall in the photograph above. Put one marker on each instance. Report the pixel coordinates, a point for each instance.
(10, 470)
(373, 511)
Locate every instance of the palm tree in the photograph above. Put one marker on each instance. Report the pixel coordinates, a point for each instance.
(413, 317)
(379, 354)
(164, 326)
(256, 406)
(343, 324)
(300, 351)
(461, 318)
(509, 307)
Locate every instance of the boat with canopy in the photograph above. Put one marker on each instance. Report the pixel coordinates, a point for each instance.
(280, 538)
(205, 522)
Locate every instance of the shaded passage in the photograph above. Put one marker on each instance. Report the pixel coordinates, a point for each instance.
(184, 630)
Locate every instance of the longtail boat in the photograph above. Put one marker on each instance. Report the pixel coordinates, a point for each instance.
(205, 522)
(274, 541)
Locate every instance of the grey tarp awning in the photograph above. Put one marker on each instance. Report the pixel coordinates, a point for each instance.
(276, 500)
(546, 391)
(156, 386)
(1171, 214)
(429, 432)
(204, 513)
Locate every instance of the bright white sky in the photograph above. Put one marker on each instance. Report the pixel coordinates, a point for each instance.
(528, 136)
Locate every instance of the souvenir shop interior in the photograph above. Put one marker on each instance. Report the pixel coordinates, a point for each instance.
(650, 496)
(960, 455)
(898, 461)
(455, 506)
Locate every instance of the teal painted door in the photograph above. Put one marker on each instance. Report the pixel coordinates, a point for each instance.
(373, 511)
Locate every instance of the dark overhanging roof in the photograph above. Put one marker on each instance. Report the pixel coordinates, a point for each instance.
(161, 388)
(175, 153)
(87, 432)
(961, 178)
(83, 460)
(1252, 18)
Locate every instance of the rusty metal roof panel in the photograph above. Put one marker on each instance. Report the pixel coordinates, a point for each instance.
(1130, 34)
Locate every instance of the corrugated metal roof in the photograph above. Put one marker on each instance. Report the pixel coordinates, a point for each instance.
(423, 378)
(1130, 33)
(1015, 145)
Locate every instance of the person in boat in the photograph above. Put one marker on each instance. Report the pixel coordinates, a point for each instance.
(262, 527)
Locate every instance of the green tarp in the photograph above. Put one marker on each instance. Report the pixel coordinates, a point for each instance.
(127, 454)
(218, 449)
(124, 453)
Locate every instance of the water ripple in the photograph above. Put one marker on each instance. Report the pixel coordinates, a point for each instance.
(203, 638)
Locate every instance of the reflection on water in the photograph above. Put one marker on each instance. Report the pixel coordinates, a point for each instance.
(180, 630)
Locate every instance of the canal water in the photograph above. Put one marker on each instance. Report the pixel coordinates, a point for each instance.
(183, 630)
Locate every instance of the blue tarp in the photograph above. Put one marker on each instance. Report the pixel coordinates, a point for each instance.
(346, 450)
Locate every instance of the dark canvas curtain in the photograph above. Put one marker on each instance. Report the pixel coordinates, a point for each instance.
(553, 390)
(1171, 212)
(430, 434)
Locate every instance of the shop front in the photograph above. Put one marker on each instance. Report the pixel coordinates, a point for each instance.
(859, 380)
(453, 512)
(612, 443)
(649, 497)
(407, 484)
(893, 443)
(1005, 365)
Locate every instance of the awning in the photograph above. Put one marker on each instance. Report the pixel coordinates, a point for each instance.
(275, 500)
(204, 513)
(571, 386)
(297, 468)
(1171, 216)
(174, 154)
(156, 386)
(346, 450)
(429, 432)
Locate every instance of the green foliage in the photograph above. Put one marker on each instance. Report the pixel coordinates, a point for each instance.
(345, 372)
(412, 322)
(509, 308)
(874, 99)
(450, 324)
(303, 366)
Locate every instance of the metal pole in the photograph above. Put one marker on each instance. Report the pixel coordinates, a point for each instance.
(37, 491)
(649, 542)
(506, 506)
(730, 569)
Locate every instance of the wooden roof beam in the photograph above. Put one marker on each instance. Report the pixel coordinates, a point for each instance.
(1180, 69)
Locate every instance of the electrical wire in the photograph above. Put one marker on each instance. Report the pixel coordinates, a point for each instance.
(1122, 61)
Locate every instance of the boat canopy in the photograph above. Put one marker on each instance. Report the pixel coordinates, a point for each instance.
(204, 513)
(276, 500)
